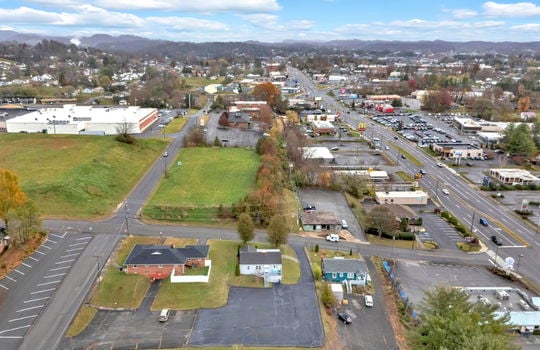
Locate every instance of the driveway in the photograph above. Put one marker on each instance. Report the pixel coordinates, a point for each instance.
(284, 315)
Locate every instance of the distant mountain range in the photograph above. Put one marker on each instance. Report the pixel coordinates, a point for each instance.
(139, 45)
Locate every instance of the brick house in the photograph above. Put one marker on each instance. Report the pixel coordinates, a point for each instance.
(160, 261)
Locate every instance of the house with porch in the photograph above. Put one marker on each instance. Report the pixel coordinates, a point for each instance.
(350, 271)
(265, 263)
(162, 261)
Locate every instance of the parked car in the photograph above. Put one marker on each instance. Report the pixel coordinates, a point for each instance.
(423, 172)
(344, 224)
(468, 164)
(343, 316)
(164, 315)
(483, 222)
(440, 165)
(309, 209)
(332, 237)
(368, 300)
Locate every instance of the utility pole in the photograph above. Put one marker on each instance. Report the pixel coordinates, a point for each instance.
(126, 211)
(472, 221)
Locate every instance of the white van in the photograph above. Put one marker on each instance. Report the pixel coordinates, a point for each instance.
(344, 224)
(164, 315)
(332, 237)
(368, 300)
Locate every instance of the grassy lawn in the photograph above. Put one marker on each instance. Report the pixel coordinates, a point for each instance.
(397, 243)
(76, 176)
(83, 319)
(120, 290)
(291, 268)
(175, 125)
(199, 82)
(207, 179)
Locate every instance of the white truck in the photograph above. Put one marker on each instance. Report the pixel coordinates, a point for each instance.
(332, 237)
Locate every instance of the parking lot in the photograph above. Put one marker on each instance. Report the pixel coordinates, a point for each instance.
(231, 137)
(28, 288)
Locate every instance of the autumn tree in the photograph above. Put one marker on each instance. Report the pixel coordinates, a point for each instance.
(245, 227)
(24, 222)
(449, 320)
(266, 116)
(382, 219)
(224, 119)
(278, 230)
(267, 92)
(11, 195)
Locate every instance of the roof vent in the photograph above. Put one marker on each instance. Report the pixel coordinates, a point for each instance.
(156, 253)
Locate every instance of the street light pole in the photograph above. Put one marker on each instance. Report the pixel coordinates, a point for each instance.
(496, 255)
(519, 260)
(126, 211)
(472, 221)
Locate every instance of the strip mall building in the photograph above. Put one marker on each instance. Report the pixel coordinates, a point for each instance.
(72, 119)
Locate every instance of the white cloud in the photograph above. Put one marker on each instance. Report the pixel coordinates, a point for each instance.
(188, 24)
(488, 24)
(529, 27)
(519, 9)
(300, 24)
(207, 6)
(263, 20)
(22, 14)
(464, 13)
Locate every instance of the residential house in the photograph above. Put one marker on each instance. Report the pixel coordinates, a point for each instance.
(160, 261)
(238, 120)
(352, 271)
(319, 221)
(264, 263)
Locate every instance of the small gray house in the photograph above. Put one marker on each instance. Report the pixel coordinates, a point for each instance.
(264, 263)
(353, 271)
(320, 221)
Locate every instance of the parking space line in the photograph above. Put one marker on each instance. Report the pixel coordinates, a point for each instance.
(11, 337)
(67, 256)
(76, 244)
(34, 300)
(37, 251)
(6, 288)
(22, 318)
(55, 235)
(22, 273)
(74, 249)
(44, 246)
(14, 280)
(13, 329)
(60, 268)
(25, 264)
(64, 261)
(30, 308)
(80, 239)
(43, 291)
(50, 240)
(45, 283)
(31, 257)
(55, 275)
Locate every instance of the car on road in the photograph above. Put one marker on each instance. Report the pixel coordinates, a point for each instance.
(332, 237)
(368, 300)
(495, 240)
(165, 154)
(423, 172)
(440, 165)
(445, 191)
(468, 164)
(403, 156)
(343, 316)
(164, 315)
(483, 222)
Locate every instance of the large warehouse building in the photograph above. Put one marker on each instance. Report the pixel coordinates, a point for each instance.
(72, 119)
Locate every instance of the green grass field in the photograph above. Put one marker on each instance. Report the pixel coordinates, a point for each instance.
(76, 176)
(207, 178)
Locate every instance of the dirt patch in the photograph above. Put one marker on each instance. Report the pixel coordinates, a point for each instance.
(13, 256)
(343, 235)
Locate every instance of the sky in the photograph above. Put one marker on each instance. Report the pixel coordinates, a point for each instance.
(278, 20)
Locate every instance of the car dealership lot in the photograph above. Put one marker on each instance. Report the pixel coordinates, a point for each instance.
(28, 288)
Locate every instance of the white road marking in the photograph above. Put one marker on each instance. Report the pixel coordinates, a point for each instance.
(60, 268)
(45, 283)
(74, 249)
(14, 329)
(6, 288)
(50, 240)
(22, 318)
(25, 264)
(67, 256)
(55, 235)
(44, 246)
(34, 300)
(64, 261)
(37, 251)
(76, 244)
(83, 238)
(14, 280)
(31, 257)
(22, 273)
(30, 308)
(43, 291)
(55, 275)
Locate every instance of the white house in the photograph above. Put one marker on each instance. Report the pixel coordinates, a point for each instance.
(265, 263)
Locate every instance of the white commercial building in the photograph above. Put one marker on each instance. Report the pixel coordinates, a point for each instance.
(72, 119)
